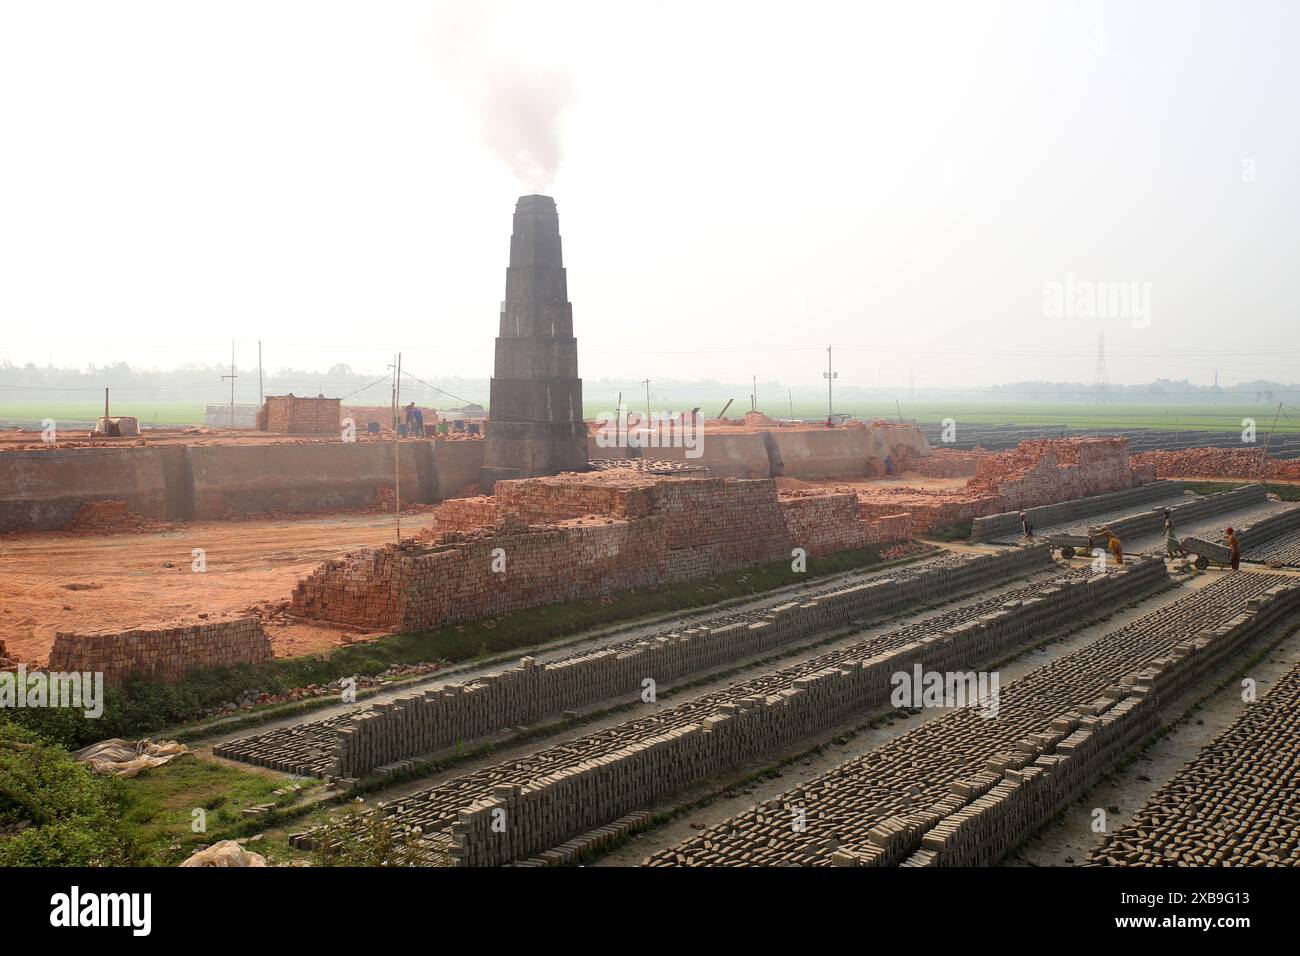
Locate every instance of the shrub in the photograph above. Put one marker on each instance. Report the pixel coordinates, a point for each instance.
(76, 817)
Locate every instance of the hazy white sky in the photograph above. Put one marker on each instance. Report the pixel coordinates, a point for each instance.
(739, 184)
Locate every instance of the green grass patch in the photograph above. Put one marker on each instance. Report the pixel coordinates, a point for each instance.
(166, 804)
(31, 414)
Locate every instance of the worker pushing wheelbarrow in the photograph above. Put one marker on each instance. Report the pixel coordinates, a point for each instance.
(1071, 544)
(1226, 555)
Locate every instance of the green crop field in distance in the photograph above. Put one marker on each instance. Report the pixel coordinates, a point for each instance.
(74, 414)
(1224, 417)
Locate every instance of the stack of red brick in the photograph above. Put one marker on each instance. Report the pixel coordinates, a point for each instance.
(1218, 463)
(823, 524)
(7, 663)
(111, 515)
(291, 415)
(474, 562)
(1034, 473)
(889, 529)
(941, 463)
(463, 514)
(163, 652)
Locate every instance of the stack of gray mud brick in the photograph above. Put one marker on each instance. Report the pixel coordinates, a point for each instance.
(520, 820)
(1007, 524)
(422, 723)
(1052, 770)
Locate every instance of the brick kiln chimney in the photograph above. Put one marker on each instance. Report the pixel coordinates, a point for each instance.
(535, 422)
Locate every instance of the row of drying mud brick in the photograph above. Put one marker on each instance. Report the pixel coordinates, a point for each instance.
(531, 690)
(517, 820)
(1031, 793)
(1236, 803)
(1256, 537)
(421, 723)
(1007, 524)
(1280, 551)
(436, 808)
(1182, 512)
(882, 807)
(308, 748)
(165, 653)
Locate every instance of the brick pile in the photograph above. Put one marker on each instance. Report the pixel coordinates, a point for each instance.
(1235, 803)
(546, 500)
(1218, 463)
(6, 662)
(652, 531)
(963, 790)
(462, 514)
(1034, 473)
(1046, 471)
(291, 415)
(823, 524)
(165, 652)
(941, 463)
(1143, 474)
(107, 516)
(889, 529)
(553, 794)
(531, 690)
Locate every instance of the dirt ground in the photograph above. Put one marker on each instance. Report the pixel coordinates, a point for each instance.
(55, 581)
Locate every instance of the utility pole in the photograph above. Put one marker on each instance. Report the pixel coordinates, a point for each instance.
(397, 447)
(790, 395)
(646, 383)
(397, 469)
(1267, 441)
(618, 425)
(1100, 378)
(392, 391)
(260, 399)
(105, 406)
(232, 376)
(753, 395)
(830, 375)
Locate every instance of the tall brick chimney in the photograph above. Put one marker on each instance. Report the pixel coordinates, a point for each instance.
(535, 422)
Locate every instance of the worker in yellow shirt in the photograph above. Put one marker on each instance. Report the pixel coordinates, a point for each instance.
(1235, 547)
(1114, 546)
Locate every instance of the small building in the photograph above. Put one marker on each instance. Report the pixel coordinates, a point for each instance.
(217, 415)
(291, 415)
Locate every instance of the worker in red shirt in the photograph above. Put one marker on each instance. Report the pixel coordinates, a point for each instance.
(1235, 547)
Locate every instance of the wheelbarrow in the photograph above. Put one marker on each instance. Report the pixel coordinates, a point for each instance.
(1071, 544)
(1203, 552)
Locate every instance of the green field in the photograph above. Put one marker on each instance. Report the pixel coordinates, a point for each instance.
(1172, 417)
(30, 414)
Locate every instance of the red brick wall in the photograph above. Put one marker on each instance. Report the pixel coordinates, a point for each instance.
(463, 514)
(290, 415)
(824, 524)
(164, 653)
(695, 528)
